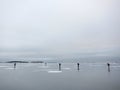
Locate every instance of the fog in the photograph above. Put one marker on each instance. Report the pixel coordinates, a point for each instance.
(51, 27)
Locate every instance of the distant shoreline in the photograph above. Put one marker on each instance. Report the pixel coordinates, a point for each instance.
(23, 62)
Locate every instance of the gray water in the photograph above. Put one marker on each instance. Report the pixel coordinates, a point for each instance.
(38, 76)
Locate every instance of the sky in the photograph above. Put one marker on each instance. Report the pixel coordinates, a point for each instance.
(60, 26)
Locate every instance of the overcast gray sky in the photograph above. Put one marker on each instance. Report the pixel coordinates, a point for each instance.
(60, 26)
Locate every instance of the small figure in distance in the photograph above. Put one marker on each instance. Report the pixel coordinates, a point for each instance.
(78, 66)
(45, 64)
(14, 65)
(108, 64)
(59, 66)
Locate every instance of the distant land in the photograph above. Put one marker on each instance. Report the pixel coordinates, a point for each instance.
(24, 62)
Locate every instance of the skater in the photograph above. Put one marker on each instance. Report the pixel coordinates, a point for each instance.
(14, 65)
(108, 64)
(59, 66)
(45, 64)
(78, 68)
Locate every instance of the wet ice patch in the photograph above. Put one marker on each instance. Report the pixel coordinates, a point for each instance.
(29, 65)
(66, 68)
(116, 66)
(95, 64)
(43, 67)
(3, 66)
(54, 71)
(38, 70)
(9, 68)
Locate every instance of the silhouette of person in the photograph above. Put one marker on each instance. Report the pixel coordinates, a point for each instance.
(14, 65)
(108, 64)
(78, 66)
(59, 66)
(45, 64)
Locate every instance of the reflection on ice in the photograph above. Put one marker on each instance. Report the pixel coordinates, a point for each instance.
(66, 68)
(96, 64)
(33, 76)
(9, 68)
(54, 71)
(3, 66)
(116, 66)
(39, 70)
(42, 66)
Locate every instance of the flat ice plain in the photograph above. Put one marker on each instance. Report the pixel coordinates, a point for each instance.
(38, 76)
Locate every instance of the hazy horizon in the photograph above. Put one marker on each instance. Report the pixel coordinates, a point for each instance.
(60, 27)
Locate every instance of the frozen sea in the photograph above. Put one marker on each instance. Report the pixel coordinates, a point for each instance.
(39, 76)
